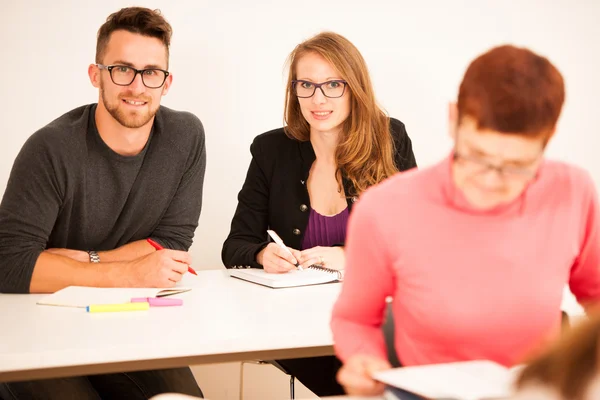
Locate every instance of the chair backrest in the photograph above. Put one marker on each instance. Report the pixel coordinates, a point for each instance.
(388, 334)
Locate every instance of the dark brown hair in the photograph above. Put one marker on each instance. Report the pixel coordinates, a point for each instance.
(570, 365)
(140, 20)
(512, 90)
(365, 151)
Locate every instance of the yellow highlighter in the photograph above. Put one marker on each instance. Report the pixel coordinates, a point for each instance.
(96, 308)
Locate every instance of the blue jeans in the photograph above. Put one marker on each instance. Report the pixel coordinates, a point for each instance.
(139, 385)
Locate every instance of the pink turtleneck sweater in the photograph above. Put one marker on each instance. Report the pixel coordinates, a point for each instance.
(467, 284)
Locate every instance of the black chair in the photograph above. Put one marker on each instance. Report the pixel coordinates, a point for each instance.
(388, 335)
(565, 323)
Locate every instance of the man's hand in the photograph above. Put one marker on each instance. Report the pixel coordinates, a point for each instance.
(162, 268)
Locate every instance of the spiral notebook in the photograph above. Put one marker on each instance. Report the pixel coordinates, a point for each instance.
(313, 275)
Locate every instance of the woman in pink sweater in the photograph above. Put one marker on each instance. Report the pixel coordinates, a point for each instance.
(476, 250)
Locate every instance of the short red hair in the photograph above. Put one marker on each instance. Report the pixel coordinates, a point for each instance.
(512, 90)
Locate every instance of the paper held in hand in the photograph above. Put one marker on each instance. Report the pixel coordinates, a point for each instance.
(469, 380)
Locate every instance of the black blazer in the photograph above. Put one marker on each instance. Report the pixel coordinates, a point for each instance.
(274, 195)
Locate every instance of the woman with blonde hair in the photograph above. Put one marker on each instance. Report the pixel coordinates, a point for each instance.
(304, 178)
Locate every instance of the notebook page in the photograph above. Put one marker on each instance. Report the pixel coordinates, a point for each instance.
(81, 296)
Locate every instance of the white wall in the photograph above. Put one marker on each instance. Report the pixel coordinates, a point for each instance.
(228, 57)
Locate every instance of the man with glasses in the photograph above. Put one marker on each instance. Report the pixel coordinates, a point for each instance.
(87, 190)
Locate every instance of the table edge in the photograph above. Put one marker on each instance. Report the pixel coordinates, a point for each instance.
(161, 363)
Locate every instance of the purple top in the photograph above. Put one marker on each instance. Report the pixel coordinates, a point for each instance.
(325, 231)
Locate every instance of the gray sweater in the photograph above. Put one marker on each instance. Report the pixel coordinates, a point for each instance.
(68, 189)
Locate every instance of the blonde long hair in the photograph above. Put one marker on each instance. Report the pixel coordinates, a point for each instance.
(365, 152)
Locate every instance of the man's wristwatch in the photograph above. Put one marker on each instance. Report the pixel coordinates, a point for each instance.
(94, 257)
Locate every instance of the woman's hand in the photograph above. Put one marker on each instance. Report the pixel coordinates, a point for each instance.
(276, 260)
(328, 257)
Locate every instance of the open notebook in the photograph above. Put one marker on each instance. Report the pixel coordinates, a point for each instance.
(313, 275)
(81, 296)
(469, 380)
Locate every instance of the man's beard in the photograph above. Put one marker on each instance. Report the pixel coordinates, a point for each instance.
(129, 119)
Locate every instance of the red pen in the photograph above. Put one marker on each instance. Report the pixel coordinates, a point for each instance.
(159, 247)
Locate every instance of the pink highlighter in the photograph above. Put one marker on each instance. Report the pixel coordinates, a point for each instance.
(158, 301)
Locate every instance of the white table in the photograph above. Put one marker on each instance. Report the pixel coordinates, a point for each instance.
(223, 319)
